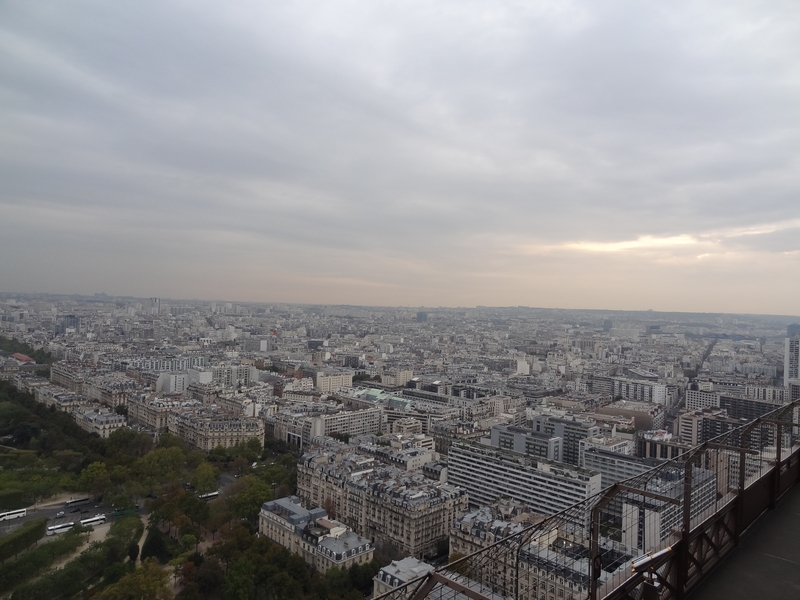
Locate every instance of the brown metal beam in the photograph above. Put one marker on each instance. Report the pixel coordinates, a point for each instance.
(435, 579)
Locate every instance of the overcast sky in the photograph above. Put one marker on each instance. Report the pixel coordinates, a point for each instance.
(593, 154)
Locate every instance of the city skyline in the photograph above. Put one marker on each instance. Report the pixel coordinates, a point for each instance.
(616, 157)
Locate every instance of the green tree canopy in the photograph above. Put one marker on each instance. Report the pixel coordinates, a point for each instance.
(149, 582)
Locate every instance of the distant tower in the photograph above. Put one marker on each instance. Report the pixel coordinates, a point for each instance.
(608, 324)
(791, 359)
(422, 317)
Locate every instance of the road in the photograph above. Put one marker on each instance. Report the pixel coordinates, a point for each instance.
(51, 508)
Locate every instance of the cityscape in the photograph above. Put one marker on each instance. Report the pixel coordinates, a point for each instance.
(378, 442)
(358, 300)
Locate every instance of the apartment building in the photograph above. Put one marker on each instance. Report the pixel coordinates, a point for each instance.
(110, 390)
(488, 474)
(698, 426)
(648, 524)
(68, 376)
(396, 378)
(397, 573)
(553, 566)
(101, 421)
(205, 428)
(322, 542)
(383, 503)
(527, 441)
(299, 428)
(571, 429)
(659, 444)
(330, 380)
(152, 412)
(56, 396)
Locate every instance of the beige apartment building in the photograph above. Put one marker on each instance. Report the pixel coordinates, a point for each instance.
(322, 542)
(206, 427)
(152, 412)
(383, 503)
(101, 421)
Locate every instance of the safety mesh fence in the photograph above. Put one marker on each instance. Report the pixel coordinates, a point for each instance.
(601, 544)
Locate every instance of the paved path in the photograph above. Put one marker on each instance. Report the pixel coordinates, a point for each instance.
(766, 564)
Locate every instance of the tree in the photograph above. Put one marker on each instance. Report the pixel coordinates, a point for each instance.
(189, 542)
(204, 478)
(150, 582)
(239, 584)
(247, 496)
(95, 479)
(209, 576)
(160, 465)
(329, 505)
(155, 546)
(133, 552)
(125, 445)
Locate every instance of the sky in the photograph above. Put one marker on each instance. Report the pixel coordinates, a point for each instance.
(597, 154)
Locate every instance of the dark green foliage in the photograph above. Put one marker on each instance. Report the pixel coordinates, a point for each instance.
(34, 426)
(12, 346)
(87, 566)
(133, 552)
(91, 563)
(159, 546)
(11, 499)
(116, 571)
(210, 576)
(155, 545)
(34, 561)
(361, 576)
(258, 568)
(27, 535)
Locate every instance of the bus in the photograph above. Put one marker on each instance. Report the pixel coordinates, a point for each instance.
(95, 520)
(76, 502)
(13, 514)
(209, 496)
(118, 512)
(62, 528)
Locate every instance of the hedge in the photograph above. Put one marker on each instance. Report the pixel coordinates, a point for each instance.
(37, 560)
(11, 499)
(78, 573)
(27, 535)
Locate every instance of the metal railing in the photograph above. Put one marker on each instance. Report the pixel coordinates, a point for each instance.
(655, 535)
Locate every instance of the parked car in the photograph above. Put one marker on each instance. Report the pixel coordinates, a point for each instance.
(60, 514)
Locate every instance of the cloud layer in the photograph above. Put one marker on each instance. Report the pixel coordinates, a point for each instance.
(574, 154)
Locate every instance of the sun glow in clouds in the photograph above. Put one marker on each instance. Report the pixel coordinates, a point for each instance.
(641, 243)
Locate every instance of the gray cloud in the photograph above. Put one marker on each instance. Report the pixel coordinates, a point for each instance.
(442, 153)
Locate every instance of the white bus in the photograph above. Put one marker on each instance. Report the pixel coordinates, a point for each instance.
(63, 528)
(95, 520)
(13, 514)
(209, 496)
(76, 502)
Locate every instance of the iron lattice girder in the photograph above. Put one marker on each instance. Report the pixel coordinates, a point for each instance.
(435, 579)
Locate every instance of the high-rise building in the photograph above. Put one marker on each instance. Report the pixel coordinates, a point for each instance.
(791, 359)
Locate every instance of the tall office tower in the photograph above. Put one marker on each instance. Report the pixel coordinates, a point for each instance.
(791, 360)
